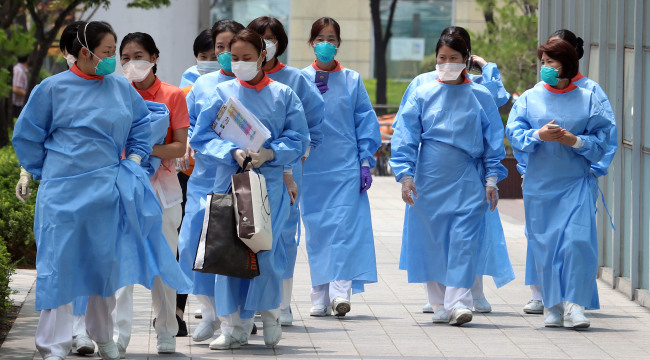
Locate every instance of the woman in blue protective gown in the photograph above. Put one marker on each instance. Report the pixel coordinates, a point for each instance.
(202, 179)
(280, 110)
(334, 204)
(98, 224)
(495, 261)
(446, 151)
(563, 130)
(276, 40)
(535, 306)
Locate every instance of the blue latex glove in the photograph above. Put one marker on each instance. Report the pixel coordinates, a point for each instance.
(366, 179)
(322, 87)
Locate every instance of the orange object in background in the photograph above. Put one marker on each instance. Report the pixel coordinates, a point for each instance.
(386, 126)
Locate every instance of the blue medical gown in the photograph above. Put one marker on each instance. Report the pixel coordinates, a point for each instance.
(198, 186)
(450, 139)
(560, 192)
(98, 224)
(280, 110)
(339, 238)
(312, 103)
(189, 77)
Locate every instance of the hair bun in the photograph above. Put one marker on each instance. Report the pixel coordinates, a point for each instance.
(579, 41)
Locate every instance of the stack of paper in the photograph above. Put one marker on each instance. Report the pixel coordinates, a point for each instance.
(235, 123)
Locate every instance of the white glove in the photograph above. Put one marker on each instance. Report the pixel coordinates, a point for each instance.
(184, 162)
(239, 155)
(135, 158)
(292, 187)
(261, 157)
(492, 196)
(408, 186)
(23, 192)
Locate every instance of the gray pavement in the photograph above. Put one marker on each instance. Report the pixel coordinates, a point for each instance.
(386, 321)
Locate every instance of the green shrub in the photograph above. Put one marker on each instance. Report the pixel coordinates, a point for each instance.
(16, 217)
(6, 270)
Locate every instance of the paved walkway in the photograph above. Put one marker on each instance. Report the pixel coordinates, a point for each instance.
(386, 321)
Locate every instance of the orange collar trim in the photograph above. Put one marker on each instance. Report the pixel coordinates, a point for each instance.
(577, 77)
(278, 66)
(149, 93)
(223, 72)
(259, 86)
(571, 87)
(466, 81)
(337, 68)
(83, 75)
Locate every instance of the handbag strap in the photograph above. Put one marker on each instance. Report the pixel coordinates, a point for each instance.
(247, 162)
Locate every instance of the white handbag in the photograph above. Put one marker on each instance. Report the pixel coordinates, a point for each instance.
(252, 210)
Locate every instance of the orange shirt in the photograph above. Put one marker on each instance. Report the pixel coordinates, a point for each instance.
(174, 98)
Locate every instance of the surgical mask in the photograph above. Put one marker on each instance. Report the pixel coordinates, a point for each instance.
(225, 60)
(270, 49)
(449, 71)
(70, 59)
(325, 51)
(137, 70)
(245, 70)
(206, 67)
(549, 75)
(106, 65)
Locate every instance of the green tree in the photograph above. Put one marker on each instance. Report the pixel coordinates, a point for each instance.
(381, 41)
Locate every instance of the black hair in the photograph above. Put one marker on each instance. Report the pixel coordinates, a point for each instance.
(251, 37)
(568, 35)
(563, 52)
(68, 36)
(203, 42)
(458, 30)
(22, 59)
(260, 24)
(321, 24)
(90, 35)
(225, 26)
(147, 43)
(455, 42)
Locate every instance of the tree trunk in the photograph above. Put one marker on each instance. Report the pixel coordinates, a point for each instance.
(381, 44)
(6, 119)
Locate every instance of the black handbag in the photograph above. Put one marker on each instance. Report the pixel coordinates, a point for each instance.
(220, 251)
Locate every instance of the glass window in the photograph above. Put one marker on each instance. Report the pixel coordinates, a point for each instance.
(628, 95)
(613, 7)
(629, 22)
(593, 65)
(626, 219)
(646, 90)
(644, 247)
(595, 21)
(646, 24)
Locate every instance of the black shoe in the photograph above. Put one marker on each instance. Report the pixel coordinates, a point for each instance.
(182, 327)
(254, 331)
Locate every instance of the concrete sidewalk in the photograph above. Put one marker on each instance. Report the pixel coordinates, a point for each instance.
(386, 321)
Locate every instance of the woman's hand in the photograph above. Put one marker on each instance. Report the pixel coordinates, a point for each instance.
(568, 139)
(547, 134)
(240, 156)
(478, 61)
(184, 162)
(492, 196)
(260, 157)
(291, 187)
(408, 186)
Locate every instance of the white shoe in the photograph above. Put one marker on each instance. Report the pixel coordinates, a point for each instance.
(440, 315)
(108, 351)
(427, 309)
(574, 316)
(83, 345)
(272, 332)
(534, 307)
(482, 306)
(341, 306)
(553, 316)
(286, 318)
(53, 358)
(166, 345)
(198, 314)
(226, 342)
(122, 350)
(205, 330)
(460, 316)
(319, 310)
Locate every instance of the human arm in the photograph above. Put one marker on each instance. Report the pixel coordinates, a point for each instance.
(178, 123)
(366, 124)
(600, 168)
(138, 141)
(314, 108)
(595, 138)
(519, 130)
(23, 191)
(493, 134)
(291, 185)
(205, 140)
(18, 91)
(491, 79)
(406, 138)
(293, 141)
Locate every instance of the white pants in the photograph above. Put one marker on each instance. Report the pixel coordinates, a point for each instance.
(79, 326)
(537, 292)
(287, 287)
(326, 293)
(163, 297)
(54, 331)
(449, 297)
(477, 288)
(240, 329)
(208, 307)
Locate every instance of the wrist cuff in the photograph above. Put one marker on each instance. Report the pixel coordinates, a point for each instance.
(579, 143)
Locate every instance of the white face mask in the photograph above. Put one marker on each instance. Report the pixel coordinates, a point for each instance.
(137, 70)
(449, 71)
(70, 59)
(270, 49)
(245, 70)
(205, 67)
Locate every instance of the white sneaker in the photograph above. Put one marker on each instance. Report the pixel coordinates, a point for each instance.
(198, 314)
(574, 316)
(553, 316)
(272, 332)
(286, 317)
(226, 342)
(83, 345)
(341, 306)
(534, 307)
(319, 310)
(108, 351)
(460, 316)
(482, 306)
(427, 309)
(122, 350)
(53, 358)
(205, 330)
(440, 315)
(166, 345)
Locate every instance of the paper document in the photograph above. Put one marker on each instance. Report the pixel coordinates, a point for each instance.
(235, 123)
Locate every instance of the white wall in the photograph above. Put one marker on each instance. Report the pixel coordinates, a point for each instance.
(173, 29)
